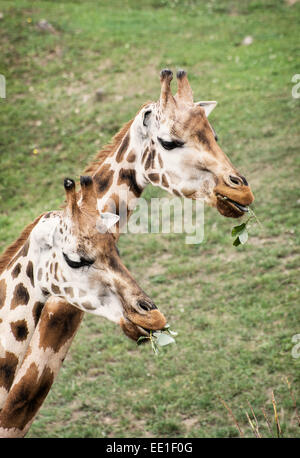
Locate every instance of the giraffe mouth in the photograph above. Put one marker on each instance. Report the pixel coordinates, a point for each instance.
(241, 207)
(229, 207)
(132, 330)
(136, 326)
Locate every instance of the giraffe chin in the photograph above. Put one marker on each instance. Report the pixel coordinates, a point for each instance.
(135, 325)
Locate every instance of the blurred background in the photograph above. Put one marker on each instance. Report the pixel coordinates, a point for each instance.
(75, 73)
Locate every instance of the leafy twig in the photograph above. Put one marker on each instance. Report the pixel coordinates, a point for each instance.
(240, 231)
(159, 338)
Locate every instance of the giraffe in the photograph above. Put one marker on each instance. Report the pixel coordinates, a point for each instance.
(72, 256)
(171, 144)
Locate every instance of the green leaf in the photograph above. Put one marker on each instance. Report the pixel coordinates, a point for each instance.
(237, 229)
(243, 236)
(237, 242)
(141, 339)
(164, 339)
(156, 333)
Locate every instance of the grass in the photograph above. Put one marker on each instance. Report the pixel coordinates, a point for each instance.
(235, 308)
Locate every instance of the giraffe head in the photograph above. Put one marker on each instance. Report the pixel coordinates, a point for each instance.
(77, 260)
(181, 153)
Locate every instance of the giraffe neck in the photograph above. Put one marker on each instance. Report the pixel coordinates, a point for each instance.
(21, 304)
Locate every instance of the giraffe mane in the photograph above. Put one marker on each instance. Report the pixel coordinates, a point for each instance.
(17, 244)
(110, 148)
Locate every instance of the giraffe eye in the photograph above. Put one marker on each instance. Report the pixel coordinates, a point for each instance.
(170, 145)
(76, 264)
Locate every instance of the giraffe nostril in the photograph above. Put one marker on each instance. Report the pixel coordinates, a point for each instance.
(146, 305)
(236, 180)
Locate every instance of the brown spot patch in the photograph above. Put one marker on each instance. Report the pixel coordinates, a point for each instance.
(88, 306)
(2, 292)
(154, 177)
(16, 270)
(112, 204)
(36, 311)
(148, 161)
(59, 321)
(145, 154)
(123, 147)
(103, 179)
(160, 160)
(40, 274)
(20, 296)
(131, 156)
(55, 289)
(19, 329)
(164, 181)
(68, 290)
(55, 271)
(26, 397)
(128, 176)
(8, 366)
(29, 272)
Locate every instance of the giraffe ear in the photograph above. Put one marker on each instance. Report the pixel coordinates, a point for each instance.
(146, 118)
(106, 221)
(208, 106)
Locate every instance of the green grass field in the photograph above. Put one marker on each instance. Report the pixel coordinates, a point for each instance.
(235, 309)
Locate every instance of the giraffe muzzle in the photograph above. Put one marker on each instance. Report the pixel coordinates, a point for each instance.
(135, 325)
(233, 196)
